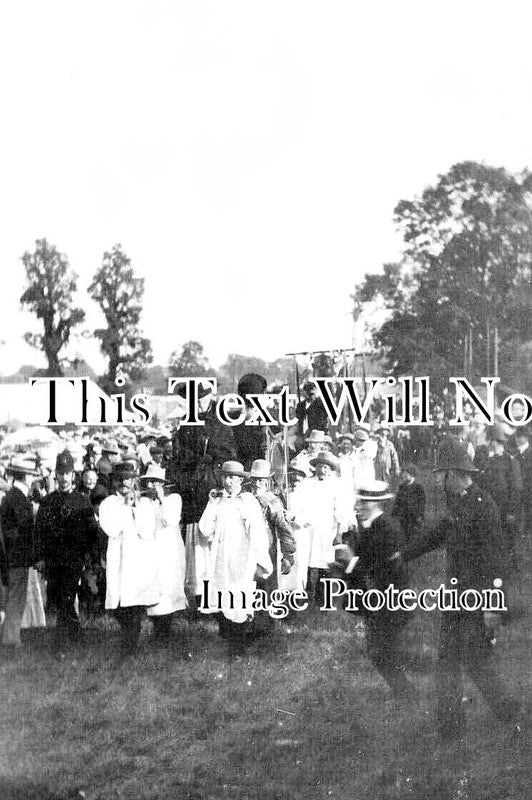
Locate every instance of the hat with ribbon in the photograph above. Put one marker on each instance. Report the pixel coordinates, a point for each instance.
(374, 491)
(124, 469)
(23, 466)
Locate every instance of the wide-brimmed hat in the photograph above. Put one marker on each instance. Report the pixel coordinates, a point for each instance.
(452, 455)
(325, 458)
(124, 469)
(260, 469)
(154, 473)
(374, 491)
(301, 467)
(22, 465)
(315, 436)
(233, 468)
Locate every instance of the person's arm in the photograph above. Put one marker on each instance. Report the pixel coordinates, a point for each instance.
(426, 541)
(285, 535)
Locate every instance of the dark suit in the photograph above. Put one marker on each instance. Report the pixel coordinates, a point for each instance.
(472, 538)
(374, 570)
(68, 530)
(409, 508)
(315, 416)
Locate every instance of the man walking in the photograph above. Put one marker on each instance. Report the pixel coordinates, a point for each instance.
(472, 538)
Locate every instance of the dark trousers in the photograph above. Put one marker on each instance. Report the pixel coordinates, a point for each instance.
(130, 620)
(383, 638)
(63, 583)
(162, 626)
(237, 634)
(463, 644)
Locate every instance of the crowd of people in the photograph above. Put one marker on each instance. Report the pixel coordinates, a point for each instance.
(155, 523)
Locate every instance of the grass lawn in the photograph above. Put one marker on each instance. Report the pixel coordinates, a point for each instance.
(307, 718)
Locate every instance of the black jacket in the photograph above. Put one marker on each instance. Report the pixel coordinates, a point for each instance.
(16, 514)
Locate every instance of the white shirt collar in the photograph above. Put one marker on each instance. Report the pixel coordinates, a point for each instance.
(22, 487)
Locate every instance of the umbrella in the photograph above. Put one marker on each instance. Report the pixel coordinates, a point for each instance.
(31, 438)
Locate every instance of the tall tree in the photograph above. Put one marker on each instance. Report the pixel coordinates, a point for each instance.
(120, 294)
(49, 294)
(191, 362)
(465, 273)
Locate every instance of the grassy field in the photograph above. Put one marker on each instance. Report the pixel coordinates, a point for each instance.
(306, 718)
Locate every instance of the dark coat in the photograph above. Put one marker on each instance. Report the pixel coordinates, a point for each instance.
(66, 529)
(202, 449)
(472, 538)
(16, 513)
(501, 477)
(315, 415)
(409, 508)
(374, 570)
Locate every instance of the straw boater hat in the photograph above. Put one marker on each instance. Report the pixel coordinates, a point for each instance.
(325, 458)
(233, 468)
(315, 436)
(374, 491)
(154, 473)
(23, 466)
(261, 469)
(452, 455)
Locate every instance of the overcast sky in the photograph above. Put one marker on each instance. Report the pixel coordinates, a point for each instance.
(247, 155)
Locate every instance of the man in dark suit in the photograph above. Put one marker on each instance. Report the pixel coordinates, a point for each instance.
(472, 538)
(68, 530)
(16, 514)
(378, 538)
(310, 412)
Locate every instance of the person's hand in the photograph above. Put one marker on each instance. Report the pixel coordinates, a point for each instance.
(286, 566)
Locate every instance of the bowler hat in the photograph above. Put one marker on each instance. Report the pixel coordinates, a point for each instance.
(261, 469)
(233, 468)
(124, 469)
(452, 455)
